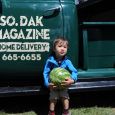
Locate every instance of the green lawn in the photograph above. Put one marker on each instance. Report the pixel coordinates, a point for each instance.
(25, 113)
(78, 111)
(93, 111)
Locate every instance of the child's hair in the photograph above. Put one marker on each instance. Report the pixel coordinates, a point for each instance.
(60, 40)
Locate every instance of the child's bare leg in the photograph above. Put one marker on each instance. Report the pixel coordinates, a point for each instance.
(65, 102)
(52, 107)
(52, 104)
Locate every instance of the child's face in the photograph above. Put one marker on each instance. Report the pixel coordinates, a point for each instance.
(61, 49)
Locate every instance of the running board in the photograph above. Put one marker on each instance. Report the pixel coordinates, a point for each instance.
(38, 90)
(92, 86)
(19, 91)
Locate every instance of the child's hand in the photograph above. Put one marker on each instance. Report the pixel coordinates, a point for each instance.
(67, 82)
(52, 86)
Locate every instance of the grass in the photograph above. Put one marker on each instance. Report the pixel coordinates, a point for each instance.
(24, 113)
(93, 111)
(78, 111)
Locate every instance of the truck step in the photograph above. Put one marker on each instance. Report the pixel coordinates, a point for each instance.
(38, 90)
(18, 91)
(92, 86)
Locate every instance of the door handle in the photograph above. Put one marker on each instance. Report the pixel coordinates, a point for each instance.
(50, 13)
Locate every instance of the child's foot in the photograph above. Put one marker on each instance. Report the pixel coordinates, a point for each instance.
(66, 113)
(51, 113)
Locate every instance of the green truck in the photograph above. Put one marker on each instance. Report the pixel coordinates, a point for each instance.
(27, 29)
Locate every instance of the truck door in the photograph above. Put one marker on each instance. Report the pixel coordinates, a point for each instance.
(27, 28)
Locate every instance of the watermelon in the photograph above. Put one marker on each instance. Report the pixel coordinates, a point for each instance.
(57, 75)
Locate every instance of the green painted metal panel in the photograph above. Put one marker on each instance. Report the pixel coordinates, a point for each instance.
(98, 50)
(27, 29)
(71, 30)
(101, 46)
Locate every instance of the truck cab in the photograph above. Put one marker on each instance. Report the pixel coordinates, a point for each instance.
(27, 29)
